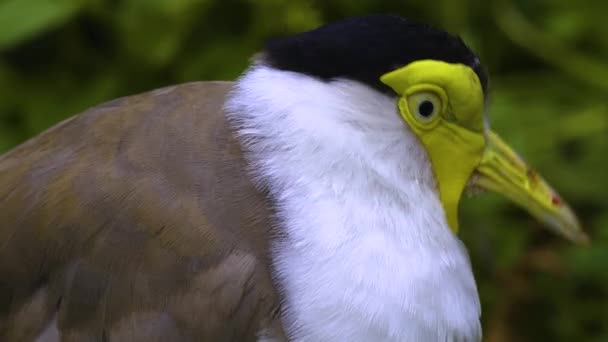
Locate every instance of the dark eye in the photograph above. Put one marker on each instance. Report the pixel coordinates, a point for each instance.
(425, 106)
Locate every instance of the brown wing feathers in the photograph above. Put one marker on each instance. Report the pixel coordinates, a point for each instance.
(135, 221)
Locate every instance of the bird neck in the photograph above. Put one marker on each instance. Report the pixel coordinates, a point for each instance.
(342, 136)
(357, 207)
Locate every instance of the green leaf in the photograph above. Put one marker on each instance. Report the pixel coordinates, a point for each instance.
(23, 19)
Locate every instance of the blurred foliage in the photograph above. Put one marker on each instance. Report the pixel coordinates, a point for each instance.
(547, 59)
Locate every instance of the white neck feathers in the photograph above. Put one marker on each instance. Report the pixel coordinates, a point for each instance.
(367, 254)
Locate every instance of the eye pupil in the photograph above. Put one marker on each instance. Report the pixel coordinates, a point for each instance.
(426, 108)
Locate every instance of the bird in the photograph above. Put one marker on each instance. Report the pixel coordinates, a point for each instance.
(315, 198)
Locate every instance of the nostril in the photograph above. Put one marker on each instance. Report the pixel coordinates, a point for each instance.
(556, 200)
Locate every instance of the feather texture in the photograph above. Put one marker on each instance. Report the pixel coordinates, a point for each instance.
(366, 253)
(135, 221)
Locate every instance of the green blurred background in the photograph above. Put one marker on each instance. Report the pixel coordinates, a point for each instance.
(548, 61)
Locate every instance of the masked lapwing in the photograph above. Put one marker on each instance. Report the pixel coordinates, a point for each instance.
(314, 199)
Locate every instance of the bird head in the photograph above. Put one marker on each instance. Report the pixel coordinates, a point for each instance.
(438, 89)
(443, 104)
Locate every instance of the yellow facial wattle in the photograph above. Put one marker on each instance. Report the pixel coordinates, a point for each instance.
(443, 105)
(453, 136)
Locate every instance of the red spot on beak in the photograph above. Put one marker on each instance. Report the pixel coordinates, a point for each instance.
(555, 200)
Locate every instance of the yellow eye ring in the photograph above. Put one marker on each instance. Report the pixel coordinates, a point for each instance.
(425, 106)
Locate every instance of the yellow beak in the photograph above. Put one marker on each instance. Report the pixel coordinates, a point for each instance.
(501, 170)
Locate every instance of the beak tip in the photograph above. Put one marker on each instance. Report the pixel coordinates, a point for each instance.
(573, 231)
(581, 239)
(576, 233)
